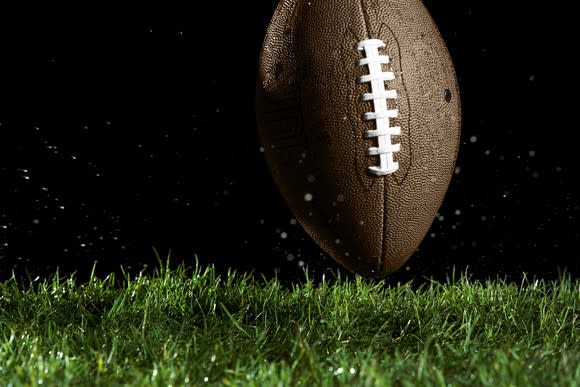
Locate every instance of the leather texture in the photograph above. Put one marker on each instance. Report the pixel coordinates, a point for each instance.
(309, 117)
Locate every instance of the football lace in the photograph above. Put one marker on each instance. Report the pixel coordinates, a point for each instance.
(379, 95)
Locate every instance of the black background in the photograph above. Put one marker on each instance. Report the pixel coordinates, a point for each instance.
(124, 132)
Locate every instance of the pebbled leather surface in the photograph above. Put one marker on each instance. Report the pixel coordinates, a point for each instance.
(309, 121)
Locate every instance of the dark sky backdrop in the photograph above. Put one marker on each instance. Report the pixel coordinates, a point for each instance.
(121, 132)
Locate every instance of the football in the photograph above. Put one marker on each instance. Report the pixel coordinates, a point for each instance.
(358, 113)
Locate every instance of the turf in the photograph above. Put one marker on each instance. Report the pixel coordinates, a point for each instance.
(196, 327)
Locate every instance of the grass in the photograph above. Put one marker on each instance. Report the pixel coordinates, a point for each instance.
(195, 327)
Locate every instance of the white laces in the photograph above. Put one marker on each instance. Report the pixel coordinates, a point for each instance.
(381, 114)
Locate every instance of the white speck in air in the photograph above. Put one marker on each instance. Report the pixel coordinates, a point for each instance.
(483, 218)
(532, 153)
(206, 379)
(337, 241)
(347, 254)
(487, 152)
(283, 235)
(303, 155)
(340, 198)
(261, 149)
(290, 257)
(532, 77)
(339, 371)
(352, 371)
(473, 139)
(536, 174)
(457, 170)
(311, 178)
(293, 221)
(458, 212)
(262, 221)
(433, 235)
(308, 197)
(441, 218)
(301, 263)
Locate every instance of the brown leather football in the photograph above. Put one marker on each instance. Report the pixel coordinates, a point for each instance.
(359, 115)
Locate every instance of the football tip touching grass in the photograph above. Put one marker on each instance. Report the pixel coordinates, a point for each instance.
(196, 327)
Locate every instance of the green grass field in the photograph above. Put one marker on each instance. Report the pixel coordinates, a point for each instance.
(195, 327)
